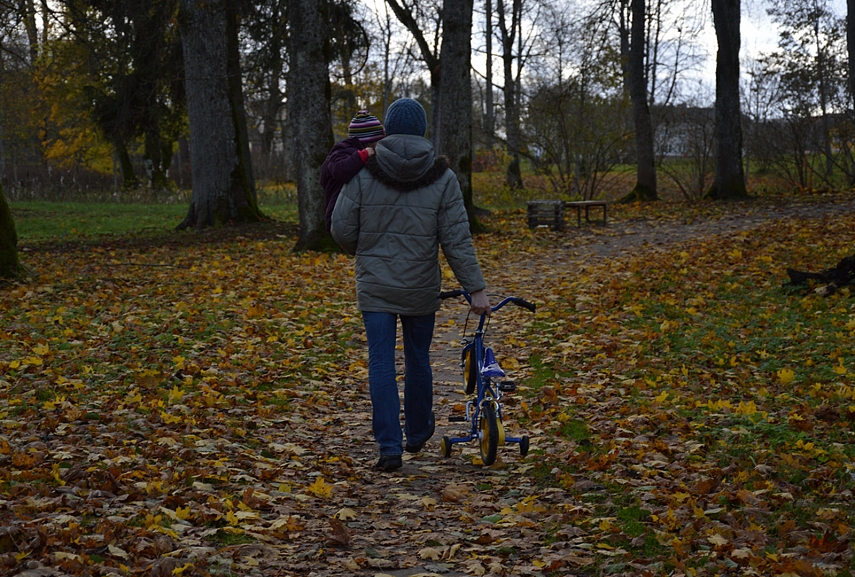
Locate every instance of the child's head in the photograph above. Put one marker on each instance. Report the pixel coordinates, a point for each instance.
(366, 128)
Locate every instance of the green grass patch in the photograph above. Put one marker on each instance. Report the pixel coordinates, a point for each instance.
(225, 538)
(37, 221)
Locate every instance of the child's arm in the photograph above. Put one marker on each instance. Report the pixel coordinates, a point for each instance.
(345, 164)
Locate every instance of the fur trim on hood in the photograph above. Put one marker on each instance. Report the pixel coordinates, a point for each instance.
(440, 165)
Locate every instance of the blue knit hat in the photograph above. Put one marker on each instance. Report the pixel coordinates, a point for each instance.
(406, 116)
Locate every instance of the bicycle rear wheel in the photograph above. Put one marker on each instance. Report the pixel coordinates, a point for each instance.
(489, 427)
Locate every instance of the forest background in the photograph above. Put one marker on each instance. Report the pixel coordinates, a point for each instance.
(595, 99)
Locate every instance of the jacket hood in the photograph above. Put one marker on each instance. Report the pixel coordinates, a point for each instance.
(405, 162)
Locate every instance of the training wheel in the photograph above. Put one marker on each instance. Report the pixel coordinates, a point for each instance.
(445, 447)
(524, 446)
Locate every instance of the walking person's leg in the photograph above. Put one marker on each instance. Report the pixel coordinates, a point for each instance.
(381, 330)
(418, 381)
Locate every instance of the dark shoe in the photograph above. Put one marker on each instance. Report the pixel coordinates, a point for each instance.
(389, 463)
(416, 448)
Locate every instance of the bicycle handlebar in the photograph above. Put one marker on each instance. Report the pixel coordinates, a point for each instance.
(515, 300)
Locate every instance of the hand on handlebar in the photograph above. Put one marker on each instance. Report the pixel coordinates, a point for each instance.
(480, 303)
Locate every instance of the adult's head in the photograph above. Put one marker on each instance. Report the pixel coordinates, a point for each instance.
(406, 116)
(366, 127)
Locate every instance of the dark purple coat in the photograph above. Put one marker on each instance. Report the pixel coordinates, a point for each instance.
(342, 164)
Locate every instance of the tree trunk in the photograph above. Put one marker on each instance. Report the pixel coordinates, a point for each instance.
(32, 30)
(126, 167)
(387, 51)
(513, 174)
(10, 267)
(435, 114)
(223, 186)
(489, 113)
(729, 182)
(405, 17)
(645, 186)
(850, 45)
(455, 86)
(309, 112)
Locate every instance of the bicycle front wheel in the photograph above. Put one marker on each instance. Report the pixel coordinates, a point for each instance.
(489, 427)
(470, 371)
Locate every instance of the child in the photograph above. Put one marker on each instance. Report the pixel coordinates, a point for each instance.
(348, 157)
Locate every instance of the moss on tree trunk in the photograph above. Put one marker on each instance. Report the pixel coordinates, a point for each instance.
(640, 193)
(10, 266)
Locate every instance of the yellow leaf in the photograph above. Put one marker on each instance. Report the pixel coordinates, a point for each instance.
(170, 419)
(840, 370)
(748, 408)
(231, 518)
(346, 514)
(320, 488)
(287, 522)
(786, 376)
(117, 552)
(744, 553)
(180, 570)
(661, 397)
(41, 350)
(431, 553)
(175, 395)
(429, 503)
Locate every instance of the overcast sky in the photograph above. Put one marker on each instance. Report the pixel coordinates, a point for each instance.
(759, 33)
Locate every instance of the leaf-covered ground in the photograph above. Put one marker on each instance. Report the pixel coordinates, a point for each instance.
(198, 406)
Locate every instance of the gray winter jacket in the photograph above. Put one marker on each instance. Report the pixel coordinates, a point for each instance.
(394, 215)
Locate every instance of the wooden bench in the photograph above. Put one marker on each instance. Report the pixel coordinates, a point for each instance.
(587, 204)
(551, 212)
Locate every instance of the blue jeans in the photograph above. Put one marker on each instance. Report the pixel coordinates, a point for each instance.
(381, 330)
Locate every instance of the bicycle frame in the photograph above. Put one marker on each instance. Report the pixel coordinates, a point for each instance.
(488, 394)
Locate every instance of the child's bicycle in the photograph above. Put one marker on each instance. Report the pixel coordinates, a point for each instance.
(481, 372)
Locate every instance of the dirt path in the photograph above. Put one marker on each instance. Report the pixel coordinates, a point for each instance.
(622, 237)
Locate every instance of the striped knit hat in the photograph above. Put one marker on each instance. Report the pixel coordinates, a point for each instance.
(366, 128)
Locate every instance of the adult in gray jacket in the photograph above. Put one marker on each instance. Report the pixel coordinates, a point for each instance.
(394, 216)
